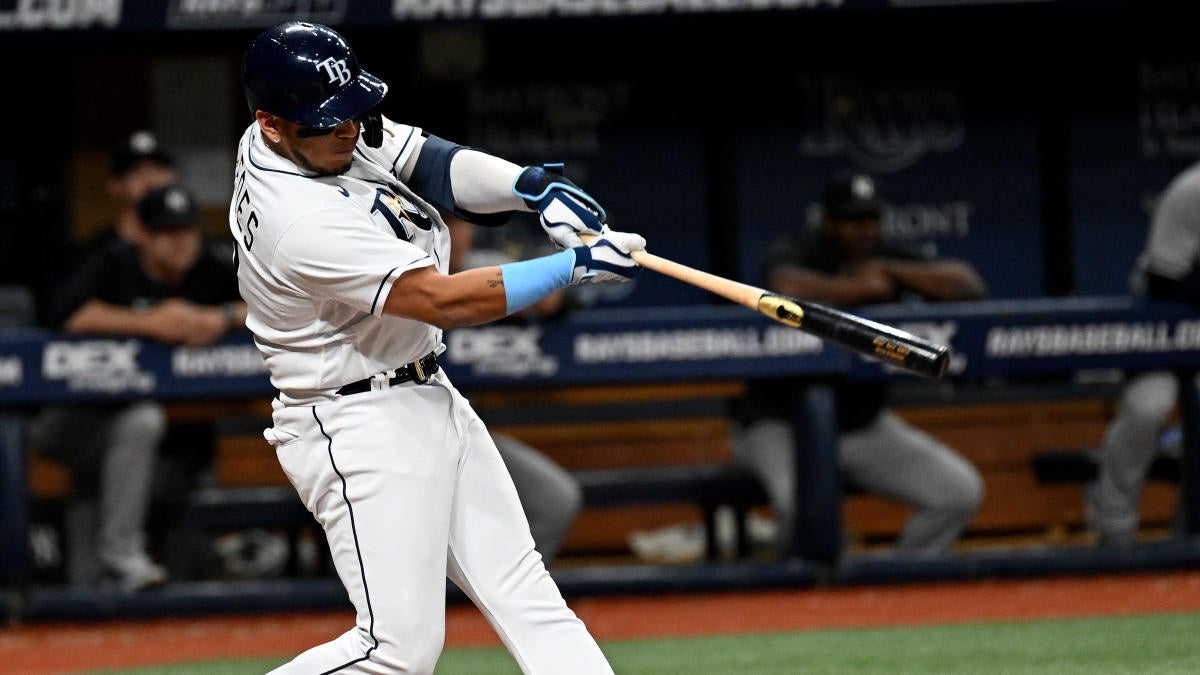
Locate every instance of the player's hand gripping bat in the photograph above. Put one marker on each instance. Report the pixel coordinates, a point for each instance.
(848, 331)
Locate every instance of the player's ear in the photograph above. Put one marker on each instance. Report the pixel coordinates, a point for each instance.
(269, 124)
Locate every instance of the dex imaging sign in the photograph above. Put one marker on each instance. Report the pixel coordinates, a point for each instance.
(108, 366)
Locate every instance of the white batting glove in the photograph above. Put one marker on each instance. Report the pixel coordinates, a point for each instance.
(566, 216)
(564, 209)
(608, 258)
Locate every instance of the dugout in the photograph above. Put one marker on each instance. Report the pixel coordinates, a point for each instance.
(707, 129)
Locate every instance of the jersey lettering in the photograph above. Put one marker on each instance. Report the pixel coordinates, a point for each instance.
(247, 231)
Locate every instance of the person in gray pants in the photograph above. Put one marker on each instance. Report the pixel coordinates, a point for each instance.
(163, 282)
(1167, 269)
(846, 263)
(111, 450)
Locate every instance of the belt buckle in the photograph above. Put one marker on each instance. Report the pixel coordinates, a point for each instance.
(419, 375)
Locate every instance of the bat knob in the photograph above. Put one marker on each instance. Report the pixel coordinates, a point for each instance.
(939, 364)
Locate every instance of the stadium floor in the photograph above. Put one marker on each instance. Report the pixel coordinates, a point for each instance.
(49, 648)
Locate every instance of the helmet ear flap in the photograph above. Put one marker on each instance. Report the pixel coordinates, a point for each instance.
(372, 129)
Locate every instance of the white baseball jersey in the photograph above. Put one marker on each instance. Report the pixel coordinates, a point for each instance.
(1173, 244)
(405, 480)
(319, 257)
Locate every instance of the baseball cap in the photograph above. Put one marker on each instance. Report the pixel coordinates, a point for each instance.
(851, 195)
(136, 147)
(168, 208)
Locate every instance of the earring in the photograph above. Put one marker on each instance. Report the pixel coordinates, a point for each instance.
(276, 139)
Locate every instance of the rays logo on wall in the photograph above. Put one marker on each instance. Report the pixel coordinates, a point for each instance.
(881, 129)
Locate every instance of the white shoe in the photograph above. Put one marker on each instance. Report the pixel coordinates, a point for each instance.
(136, 573)
(761, 531)
(671, 544)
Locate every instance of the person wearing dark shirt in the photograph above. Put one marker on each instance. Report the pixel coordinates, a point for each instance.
(846, 263)
(138, 163)
(161, 281)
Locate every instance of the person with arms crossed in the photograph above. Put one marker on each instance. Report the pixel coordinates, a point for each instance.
(159, 280)
(343, 262)
(846, 263)
(1166, 269)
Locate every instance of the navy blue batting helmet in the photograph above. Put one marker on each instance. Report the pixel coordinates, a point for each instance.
(307, 74)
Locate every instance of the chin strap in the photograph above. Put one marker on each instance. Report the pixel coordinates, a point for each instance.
(372, 129)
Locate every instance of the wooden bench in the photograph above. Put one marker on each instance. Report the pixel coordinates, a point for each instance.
(709, 486)
(1004, 439)
(652, 456)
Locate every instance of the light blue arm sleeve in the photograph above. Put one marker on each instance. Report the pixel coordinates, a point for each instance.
(528, 281)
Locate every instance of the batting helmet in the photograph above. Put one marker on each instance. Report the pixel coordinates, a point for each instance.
(307, 74)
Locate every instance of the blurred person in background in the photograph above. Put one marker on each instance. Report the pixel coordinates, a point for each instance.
(138, 163)
(549, 494)
(158, 280)
(846, 263)
(1166, 269)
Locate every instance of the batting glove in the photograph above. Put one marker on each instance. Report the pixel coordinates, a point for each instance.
(608, 258)
(564, 209)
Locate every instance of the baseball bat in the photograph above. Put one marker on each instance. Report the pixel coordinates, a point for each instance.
(849, 331)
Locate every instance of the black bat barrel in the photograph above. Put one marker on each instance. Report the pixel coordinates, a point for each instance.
(882, 342)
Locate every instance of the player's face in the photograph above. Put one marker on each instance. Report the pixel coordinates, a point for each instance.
(855, 236)
(145, 176)
(169, 255)
(325, 153)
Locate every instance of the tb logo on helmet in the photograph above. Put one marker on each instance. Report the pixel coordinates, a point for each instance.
(337, 70)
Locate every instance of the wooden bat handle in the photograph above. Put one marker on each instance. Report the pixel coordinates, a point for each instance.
(743, 294)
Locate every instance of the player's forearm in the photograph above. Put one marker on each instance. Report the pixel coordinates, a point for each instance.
(941, 280)
(834, 290)
(96, 316)
(468, 298)
(482, 294)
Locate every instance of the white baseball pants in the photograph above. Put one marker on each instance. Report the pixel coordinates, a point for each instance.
(410, 490)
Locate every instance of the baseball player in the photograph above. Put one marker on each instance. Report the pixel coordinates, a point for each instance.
(847, 263)
(342, 260)
(1166, 269)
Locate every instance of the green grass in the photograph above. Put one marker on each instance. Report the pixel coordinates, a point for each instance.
(1161, 643)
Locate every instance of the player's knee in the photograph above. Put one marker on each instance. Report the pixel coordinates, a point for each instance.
(1151, 410)
(570, 498)
(961, 498)
(1151, 397)
(146, 419)
(967, 497)
(415, 652)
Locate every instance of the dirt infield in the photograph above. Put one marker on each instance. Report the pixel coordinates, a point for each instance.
(68, 648)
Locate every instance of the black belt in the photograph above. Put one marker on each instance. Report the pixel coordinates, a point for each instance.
(418, 371)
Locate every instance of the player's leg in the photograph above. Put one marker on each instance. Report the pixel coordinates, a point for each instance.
(1113, 501)
(378, 469)
(492, 558)
(767, 447)
(550, 495)
(126, 478)
(894, 459)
